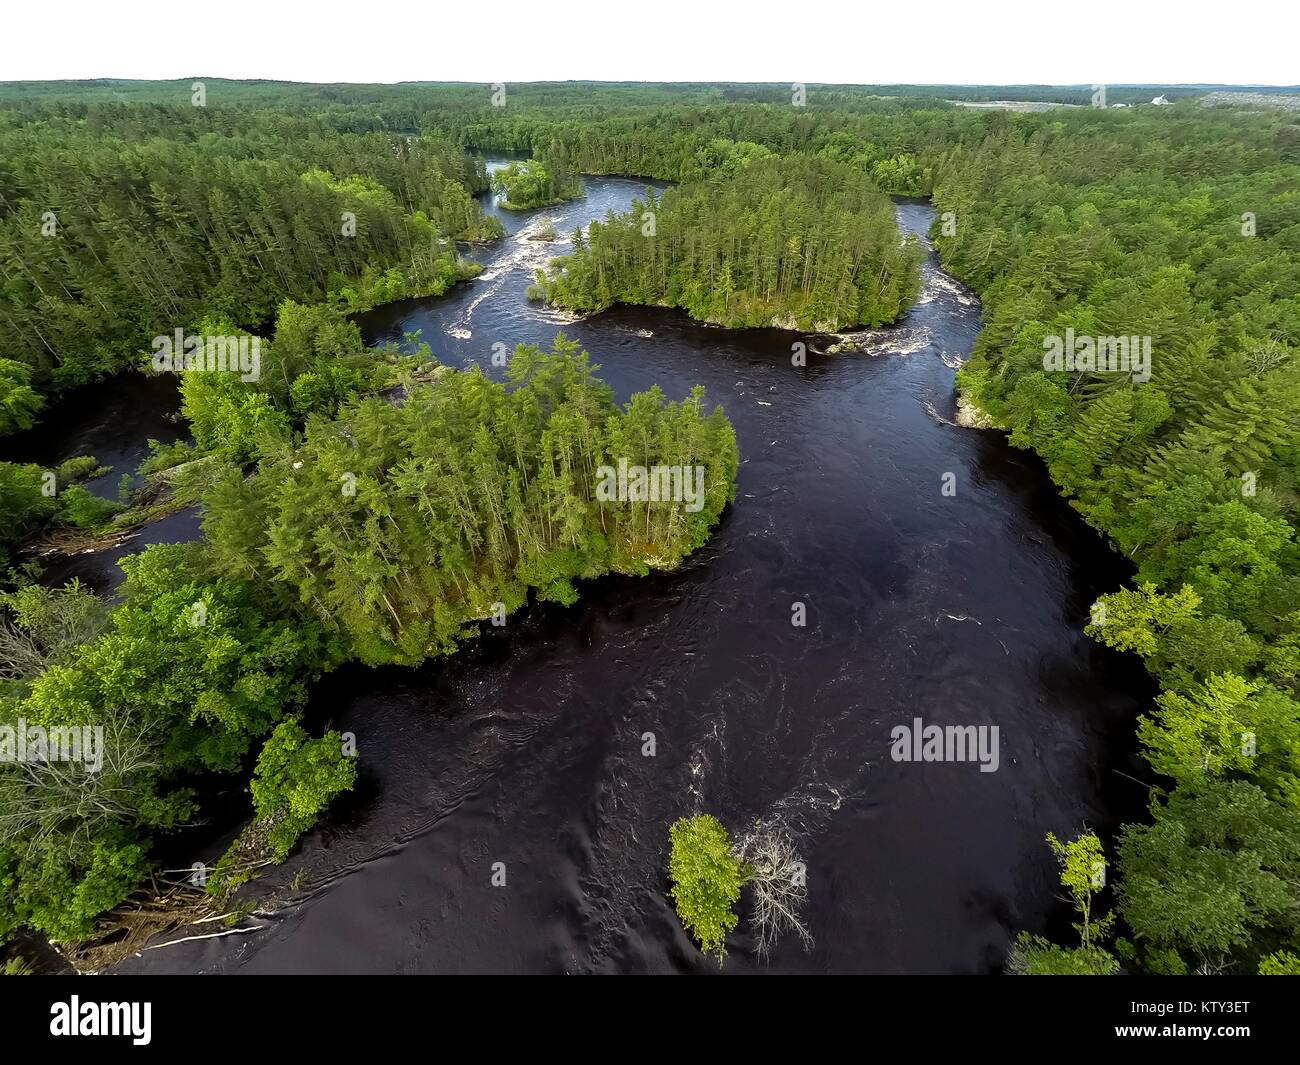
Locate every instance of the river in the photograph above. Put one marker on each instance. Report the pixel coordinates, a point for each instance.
(527, 747)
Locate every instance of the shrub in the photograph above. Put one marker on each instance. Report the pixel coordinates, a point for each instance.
(295, 780)
(1036, 956)
(706, 880)
(83, 509)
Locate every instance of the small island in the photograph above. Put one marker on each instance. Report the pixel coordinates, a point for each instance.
(763, 241)
(524, 186)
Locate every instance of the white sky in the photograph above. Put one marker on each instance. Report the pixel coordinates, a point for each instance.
(939, 41)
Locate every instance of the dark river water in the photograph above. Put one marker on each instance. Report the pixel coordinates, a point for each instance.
(526, 747)
(112, 420)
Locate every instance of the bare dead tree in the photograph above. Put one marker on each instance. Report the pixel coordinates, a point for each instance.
(777, 877)
(39, 625)
(42, 799)
(21, 656)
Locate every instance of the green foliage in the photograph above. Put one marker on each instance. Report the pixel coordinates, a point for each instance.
(797, 241)
(1035, 956)
(296, 779)
(400, 525)
(1227, 727)
(314, 365)
(16, 966)
(535, 184)
(900, 175)
(187, 674)
(245, 208)
(1083, 873)
(57, 884)
(19, 402)
(1135, 619)
(24, 504)
(163, 457)
(42, 626)
(229, 418)
(1282, 963)
(1215, 877)
(32, 498)
(79, 468)
(79, 508)
(706, 880)
(196, 656)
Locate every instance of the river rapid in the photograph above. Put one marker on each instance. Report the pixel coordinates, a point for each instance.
(526, 748)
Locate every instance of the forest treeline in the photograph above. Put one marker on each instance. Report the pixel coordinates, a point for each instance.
(392, 505)
(404, 105)
(118, 224)
(684, 144)
(794, 241)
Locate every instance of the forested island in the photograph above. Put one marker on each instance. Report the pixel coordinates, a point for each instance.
(535, 183)
(366, 504)
(796, 242)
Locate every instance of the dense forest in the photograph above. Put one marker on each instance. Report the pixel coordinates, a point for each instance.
(1179, 226)
(117, 224)
(799, 242)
